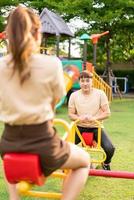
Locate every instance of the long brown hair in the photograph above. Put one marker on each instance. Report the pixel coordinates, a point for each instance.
(22, 26)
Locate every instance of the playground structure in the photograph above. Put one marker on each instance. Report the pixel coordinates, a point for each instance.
(54, 25)
(3, 35)
(115, 82)
(71, 74)
(94, 38)
(3, 43)
(98, 82)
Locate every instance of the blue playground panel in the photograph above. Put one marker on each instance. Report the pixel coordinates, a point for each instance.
(78, 64)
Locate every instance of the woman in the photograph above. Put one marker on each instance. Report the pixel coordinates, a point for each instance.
(30, 86)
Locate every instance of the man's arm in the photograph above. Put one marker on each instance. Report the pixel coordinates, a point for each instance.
(103, 113)
(72, 114)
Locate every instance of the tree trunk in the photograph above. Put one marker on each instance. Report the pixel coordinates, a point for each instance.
(108, 62)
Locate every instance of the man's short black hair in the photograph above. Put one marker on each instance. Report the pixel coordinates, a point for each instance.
(85, 74)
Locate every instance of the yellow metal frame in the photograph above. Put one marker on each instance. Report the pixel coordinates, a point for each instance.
(71, 138)
(24, 188)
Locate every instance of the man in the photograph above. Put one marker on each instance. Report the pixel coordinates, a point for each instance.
(87, 105)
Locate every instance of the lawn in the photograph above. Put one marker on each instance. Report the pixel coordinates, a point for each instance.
(120, 127)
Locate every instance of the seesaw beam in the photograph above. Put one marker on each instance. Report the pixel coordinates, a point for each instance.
(113, 174)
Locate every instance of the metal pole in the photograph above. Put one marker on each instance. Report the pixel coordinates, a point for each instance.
(94, 54)
(85, 54)
(69, 49)
(58, 49)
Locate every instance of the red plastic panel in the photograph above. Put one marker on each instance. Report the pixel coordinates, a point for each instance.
(21, 166)
(88, 138)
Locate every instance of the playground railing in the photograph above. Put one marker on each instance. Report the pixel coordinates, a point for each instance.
(99, 83)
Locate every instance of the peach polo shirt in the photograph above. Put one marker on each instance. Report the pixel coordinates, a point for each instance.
(88, 104)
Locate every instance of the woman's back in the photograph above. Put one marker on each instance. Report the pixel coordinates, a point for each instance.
(30, 102)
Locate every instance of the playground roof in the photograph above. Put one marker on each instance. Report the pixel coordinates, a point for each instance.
(54, 24)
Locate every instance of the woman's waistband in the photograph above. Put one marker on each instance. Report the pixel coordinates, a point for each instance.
(44, 130)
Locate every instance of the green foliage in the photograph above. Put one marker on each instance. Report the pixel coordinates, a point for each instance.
(5, 7)
(100, 15)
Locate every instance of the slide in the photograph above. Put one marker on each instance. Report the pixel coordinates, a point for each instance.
(71, 74)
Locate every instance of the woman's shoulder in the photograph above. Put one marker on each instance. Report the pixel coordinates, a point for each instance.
(46, 58)
(45, 62)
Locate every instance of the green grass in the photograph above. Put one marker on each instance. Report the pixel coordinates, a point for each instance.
(120, 127)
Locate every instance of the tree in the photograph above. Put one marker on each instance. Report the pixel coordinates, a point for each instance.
(100, 15)
(5, 7)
